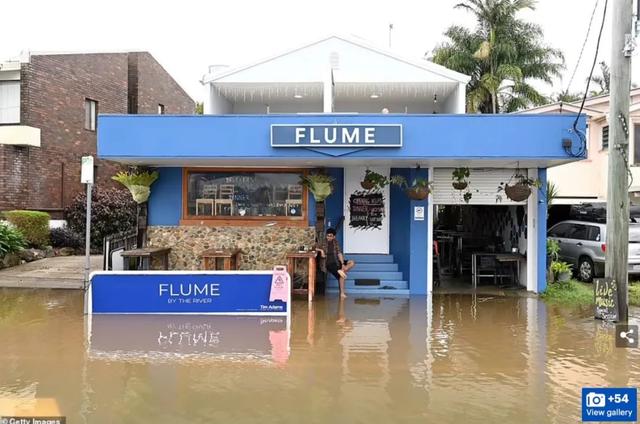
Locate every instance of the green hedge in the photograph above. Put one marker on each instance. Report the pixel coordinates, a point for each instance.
(33, 225)
(11, 240)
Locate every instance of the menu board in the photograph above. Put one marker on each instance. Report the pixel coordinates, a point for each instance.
(605, 291)
(366, 210)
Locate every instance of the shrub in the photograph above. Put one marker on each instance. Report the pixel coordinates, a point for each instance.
(11, 240)
(65, 237)
(112, 211)
(33, 225)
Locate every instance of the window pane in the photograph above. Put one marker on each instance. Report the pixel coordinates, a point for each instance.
(577, 232)
(244, 194)
(559, 230)
(593, 233)
(90, 114)
(605, 137)
(9, 102)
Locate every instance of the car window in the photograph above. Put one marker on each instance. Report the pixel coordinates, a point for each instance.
(593, 233)
(559, 230)
(577, 232)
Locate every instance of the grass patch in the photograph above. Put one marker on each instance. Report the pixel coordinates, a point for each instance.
(634, 293)
(571, 293)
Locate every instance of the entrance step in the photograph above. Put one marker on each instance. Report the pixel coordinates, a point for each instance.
(350, 284)
(378, 275)
(371, 291)
(369, 257)
(371, 266)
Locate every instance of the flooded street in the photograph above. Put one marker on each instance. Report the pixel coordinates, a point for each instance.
(458, 359)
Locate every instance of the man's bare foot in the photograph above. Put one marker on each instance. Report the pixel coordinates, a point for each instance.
(342, 295)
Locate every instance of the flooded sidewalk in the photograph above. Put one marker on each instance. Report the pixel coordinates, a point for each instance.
(60, 272)
(451, 358)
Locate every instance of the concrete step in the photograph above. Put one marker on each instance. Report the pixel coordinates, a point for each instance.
(370, 291)
(370, 266)
(369, 257)
(396, 284)
(41, 282)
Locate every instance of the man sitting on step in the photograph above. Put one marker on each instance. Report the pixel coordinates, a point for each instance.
(334, 261)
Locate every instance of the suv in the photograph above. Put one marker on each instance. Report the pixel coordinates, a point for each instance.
(582, 244)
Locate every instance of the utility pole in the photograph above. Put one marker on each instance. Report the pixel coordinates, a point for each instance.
(617, 247)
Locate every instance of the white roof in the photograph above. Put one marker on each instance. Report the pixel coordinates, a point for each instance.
(351, 60)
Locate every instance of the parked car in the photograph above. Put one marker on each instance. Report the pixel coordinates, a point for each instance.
(582, 244)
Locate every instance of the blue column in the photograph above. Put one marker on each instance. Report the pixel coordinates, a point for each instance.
(311, 209)
(542, 231)
(418, 242)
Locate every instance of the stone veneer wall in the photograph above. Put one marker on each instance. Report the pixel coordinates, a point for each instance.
(262, 247)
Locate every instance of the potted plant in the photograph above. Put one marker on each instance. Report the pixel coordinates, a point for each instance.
(518, 188)
(418, 190)
(373, 180)
(459, 176)
(320, 185)
(138, 183)
(561, 271)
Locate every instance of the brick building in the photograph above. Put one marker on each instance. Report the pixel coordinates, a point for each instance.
(48, 118)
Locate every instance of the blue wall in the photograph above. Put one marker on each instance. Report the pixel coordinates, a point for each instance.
(399, 228)
(178, 138)
(334, 204)
(542, 232)
(418, 242)
(165, 202)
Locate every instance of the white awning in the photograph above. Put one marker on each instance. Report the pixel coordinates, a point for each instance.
(20, 135)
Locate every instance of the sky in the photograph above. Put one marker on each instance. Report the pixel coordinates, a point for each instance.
(188, 36)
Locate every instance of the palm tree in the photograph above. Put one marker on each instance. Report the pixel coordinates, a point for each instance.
(603, 80)
(502, 55)
(566, 96)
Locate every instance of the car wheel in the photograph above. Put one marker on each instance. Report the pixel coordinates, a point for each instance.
(585, 269)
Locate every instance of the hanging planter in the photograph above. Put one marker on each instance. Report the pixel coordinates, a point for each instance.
(373, 180)
(459, 176)
(419, 189)
(518, 188)
(138, 183)
(320, 185)
(418, 193)
(517, 192)
(460, 185)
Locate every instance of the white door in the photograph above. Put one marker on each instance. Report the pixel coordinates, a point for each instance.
(371, 238)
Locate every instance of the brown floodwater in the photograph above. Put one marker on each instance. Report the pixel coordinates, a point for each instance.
(452, 359)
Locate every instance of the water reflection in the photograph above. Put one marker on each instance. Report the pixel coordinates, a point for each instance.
(449, 359)
(188, 337)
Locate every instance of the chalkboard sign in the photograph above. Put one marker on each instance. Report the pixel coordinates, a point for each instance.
(366, 210)
(605, 292)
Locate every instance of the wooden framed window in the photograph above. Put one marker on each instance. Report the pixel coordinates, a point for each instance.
(244, 196)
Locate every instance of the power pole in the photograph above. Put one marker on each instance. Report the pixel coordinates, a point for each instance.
(617, 247)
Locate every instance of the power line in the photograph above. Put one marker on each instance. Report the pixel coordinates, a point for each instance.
(584, 43)
(583, 138)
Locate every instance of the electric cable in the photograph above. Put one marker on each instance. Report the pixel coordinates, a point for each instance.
(583, 139)
(584, 43)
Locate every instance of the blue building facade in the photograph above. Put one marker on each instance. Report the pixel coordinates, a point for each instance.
(233, 181)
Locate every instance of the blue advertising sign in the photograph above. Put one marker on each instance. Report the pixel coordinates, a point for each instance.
(610, 404)
(336, 135)
(184, 292)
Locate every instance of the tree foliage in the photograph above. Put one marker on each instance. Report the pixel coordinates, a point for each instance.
(503, 55)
